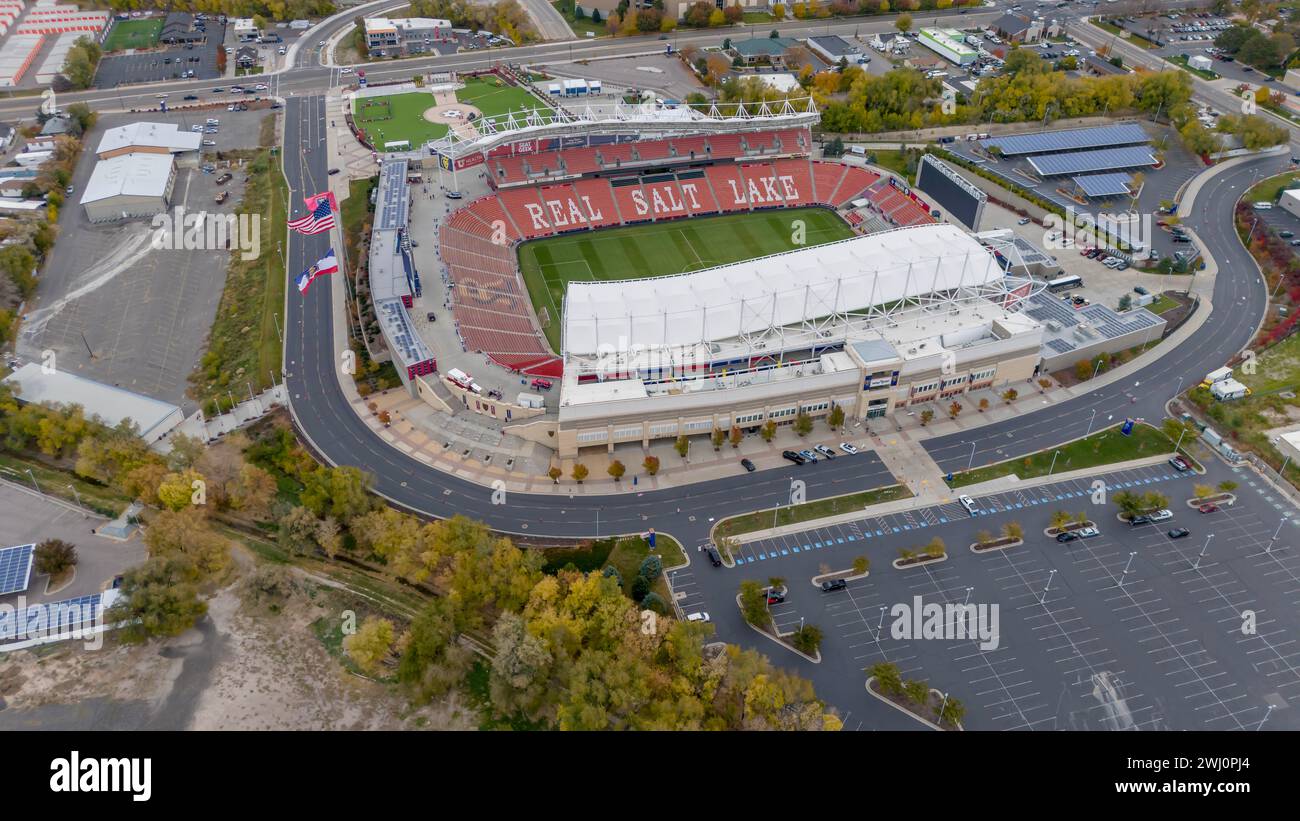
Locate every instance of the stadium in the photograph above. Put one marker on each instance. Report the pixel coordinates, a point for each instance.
(690, 269)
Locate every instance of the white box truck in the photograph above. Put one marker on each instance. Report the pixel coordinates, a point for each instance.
(1216, 375)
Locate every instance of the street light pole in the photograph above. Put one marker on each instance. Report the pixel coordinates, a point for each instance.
(77, 496)
(970, 462)
(1053, 467)
(1197, 566)
(34, 482)
(1090, 421)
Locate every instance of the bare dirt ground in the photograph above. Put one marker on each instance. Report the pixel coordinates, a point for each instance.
(241, 668)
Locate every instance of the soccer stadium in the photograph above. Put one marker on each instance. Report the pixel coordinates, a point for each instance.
(690, 269)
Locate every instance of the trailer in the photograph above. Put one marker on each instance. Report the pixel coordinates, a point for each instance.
(1228, 389)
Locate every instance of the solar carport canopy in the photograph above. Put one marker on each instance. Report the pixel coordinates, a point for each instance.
(1083, 162)
(1104, 185)
(783, 289)
(1073, 139)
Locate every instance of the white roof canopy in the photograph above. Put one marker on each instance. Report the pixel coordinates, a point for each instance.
(149, 135)
(749, 297)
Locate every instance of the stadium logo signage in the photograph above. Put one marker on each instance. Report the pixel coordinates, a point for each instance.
(764, 190)
(665, 200)
(564, 213)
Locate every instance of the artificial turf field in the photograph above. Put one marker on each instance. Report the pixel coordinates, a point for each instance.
(661, 248)
(133, 34)
(404, 119)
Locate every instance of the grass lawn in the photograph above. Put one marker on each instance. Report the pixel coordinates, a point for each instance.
(133, 34)
(757, 17)
(1270, 188)
(493, 96)
(820, 509)
(657, 249)
(889, 159)
(1101, 448)
(624, 554)
(55, 482)
(244, 344)
(1162, 304)
(580, 27)
(401, 116)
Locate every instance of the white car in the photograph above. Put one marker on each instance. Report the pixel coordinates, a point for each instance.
(1161, 516)
(848, 448)
(345, 70)
(699, 617)
(1087, 532)
(968, 503)
(210, 143)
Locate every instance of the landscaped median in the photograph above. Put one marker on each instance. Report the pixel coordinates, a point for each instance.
(914, 697)
(755, 602)
(1105, 447)
(734, 526)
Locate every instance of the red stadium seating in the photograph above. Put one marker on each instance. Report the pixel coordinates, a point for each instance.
(725, 145)
(491, 309)
(612, 156)
(652, 149)
(685, 145)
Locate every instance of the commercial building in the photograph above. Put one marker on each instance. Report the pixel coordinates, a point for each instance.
(762, 49)
(393, 37)
(833, 48)
(147, 138)
(1015, 28)
(949, 44)
(871, 324)
(1290, 201)
(153, 418)
(128, 186)
(245, 29)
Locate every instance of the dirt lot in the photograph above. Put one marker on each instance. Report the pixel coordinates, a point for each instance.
(241, 668)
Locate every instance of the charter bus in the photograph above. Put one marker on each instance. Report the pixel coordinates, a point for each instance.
(1064, 283)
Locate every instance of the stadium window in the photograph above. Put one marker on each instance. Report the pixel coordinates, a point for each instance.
(623, 433)
(592, 436)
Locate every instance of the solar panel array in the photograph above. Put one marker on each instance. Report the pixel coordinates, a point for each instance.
(1105, 185)
(15, 568)
(1060, 345)
(51, 618)
(1113, 325)
(1072, 139)
(1083, 162)
(1044, 307)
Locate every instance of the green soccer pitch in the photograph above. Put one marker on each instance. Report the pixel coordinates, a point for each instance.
(133, 34)
(661, 248)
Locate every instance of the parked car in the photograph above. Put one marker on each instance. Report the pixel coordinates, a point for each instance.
(848, 448)
(333, 171)
(1139, 520)
(1162, 515)
(793, 457)
(833, 585)
(1087, 532)
(715, 558)
(748, 465)
(1023, 221)
(698, 617)
(824, 451)
(1208, 508)
(1138, 289)
(1179, 532)
(1179, 464)
(776, 595)
(542, 384)
(221, 197)
(808, 455)
(69, 189)
(225, 178)
(968, 503)
(209, 143)
(1067, 536)
(191, 96)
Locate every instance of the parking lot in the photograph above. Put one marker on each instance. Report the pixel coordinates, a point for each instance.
(115, 309)
(166, 64)
(1130, 629)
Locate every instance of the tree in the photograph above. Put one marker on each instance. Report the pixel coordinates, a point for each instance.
(1060, 519)
(927, 416)
(341, 492)
(54, 557)
(520, 676)
(807, 639)
(736, 436)
(298, 529)
(936, 548)
(640, 587)
(950, 712)
(778, 11)
(188, 533)
(954, 410)
(579, 472)
(157, 598)
(984, 405)
(717, 437)
(651, 465)
(983, 537)
(903, 23)
(616, 469)
(555, 473)
(1013, 531)
(803, 424)
(652, 567)
(887, 677)
(1010, 395)
(1201, 491)
(682, 445)
(753, 604)
(835, 419)
(1129, 504)
(917, 692)
(1227, 486)
(595, 16)
(1083, 369)
(370, 645)
(861, 564)
(768, 431)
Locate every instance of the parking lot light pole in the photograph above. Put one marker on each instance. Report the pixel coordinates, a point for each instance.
(34, 483)
(970, 462)
(77, 496)
(1043, 598)
(1091, 419)
(880, 627)
(1265, 718)
(1206, 547)
(1127, 565)
(1053, 467)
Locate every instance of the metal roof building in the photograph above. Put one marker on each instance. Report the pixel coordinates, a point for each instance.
(109, 403)
(129, 185)
(147, 138)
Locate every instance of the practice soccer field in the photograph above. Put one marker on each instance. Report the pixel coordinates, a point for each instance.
(133, 34)
(658, 249)
(403, 117)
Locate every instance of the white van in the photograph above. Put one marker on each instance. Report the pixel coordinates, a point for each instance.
(858, 150)
(1263, 206)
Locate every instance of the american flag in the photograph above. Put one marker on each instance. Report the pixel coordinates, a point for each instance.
(320, 219)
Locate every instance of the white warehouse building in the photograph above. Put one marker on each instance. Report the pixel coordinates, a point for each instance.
(129, 185)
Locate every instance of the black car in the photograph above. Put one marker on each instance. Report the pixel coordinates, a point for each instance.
(833, 585)
(714, 557)
(776, 595)
(1179, 532)
(747, 465)
(793, 457)
(333, 171)
(1139, 520)
(1067, 536)
(1138, 289)
(191, 96)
